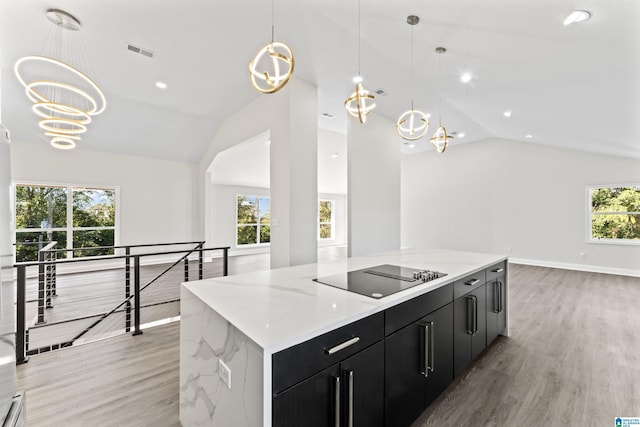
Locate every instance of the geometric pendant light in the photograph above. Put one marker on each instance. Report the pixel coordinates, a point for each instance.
(440, 138)
(64, 97)
(412, 124)
(360, 103)
(273, 65)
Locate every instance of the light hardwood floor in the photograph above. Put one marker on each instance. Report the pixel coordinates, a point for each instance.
(573, 358)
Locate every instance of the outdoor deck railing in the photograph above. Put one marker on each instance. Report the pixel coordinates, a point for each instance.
(133, 287)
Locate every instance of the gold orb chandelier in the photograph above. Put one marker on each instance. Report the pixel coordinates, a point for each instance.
(65, 98)
(273, 65)
(440, 138)
(360, 103)
(412, 124)
(266, 73)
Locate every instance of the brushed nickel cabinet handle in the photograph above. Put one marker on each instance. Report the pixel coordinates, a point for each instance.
(470, 314)
(336, 385)
(432, 347)
(498, 270)
(496, 297)
(342, 346)
(424, 369)
(472, 282)
(350, 401)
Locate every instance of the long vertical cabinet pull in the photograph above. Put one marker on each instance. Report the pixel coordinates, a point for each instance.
(472, 314)
(350, 401)
(470, 311)
(500, 297)
(432, 347)
(336, 385)
(426, 333)
(496, 296)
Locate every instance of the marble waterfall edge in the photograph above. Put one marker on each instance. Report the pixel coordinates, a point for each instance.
(205, 400)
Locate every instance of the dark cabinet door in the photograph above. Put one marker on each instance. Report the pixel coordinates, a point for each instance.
(418, 366)
(363, 388)
(404, 382)
(313, 402)
(470, 328)
(496, 310)
(350, 393)
(440, 362)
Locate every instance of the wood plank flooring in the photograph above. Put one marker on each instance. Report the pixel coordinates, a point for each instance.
(573, 358)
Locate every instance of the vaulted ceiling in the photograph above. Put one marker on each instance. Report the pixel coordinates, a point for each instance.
(571, 86)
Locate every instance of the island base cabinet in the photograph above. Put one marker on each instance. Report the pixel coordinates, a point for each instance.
(418, 366)
(470, 328)
(350, 393)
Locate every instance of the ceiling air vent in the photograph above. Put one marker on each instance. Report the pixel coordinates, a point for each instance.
(141, 50)
(380, 92)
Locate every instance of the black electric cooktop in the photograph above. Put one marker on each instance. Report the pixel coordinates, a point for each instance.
(381, 280)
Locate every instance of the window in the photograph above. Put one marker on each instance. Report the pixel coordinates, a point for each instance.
(75, 217)
(253, 220)
(614, 214)
(326, 221)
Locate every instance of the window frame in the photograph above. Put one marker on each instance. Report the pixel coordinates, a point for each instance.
(332, 223)
(257, 224)
(589, 215)
(69, 229)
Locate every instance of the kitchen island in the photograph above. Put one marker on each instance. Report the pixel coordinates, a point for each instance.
(274, 347)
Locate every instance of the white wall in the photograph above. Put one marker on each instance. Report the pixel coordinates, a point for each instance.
(523, 200)
(373, 186)
(290, 117)
(156, 196)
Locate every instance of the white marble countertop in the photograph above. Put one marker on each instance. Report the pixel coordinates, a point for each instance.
(284, 307)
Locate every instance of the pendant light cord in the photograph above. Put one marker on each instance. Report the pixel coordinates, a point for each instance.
(272, 20)
(440, 88)
(359, 38)
(412, 83)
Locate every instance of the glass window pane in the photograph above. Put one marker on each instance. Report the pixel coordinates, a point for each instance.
(326, 210)
(92, 240)
(265, 210)
(247, 210)
(615, 226)
(247, 235)
(325, 231)
(616, 199)
(28, 244)
(41, 207)
(94, 207)
(265, 234)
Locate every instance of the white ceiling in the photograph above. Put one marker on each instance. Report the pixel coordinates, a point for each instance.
(575, 86)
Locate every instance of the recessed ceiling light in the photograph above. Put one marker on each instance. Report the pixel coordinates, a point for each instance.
(507, 113)
(528, 136)
(412, 145)
(268, 142)
(576, 16)
(334, 155)
(466, 78)
(357, 79)
(460, 135)
(380, 92)
(161, 85)
(328, 115)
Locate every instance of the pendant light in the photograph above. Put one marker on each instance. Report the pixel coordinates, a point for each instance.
(412, 124)
(440, 139)
(273, 65)
(360, 103)
(64, 97)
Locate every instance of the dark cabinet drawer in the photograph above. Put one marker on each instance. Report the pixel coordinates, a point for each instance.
(496, 270)
(292, 365)
(402, 314)
(469, 283)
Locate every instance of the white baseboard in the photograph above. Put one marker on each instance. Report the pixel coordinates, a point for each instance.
(578, 267)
